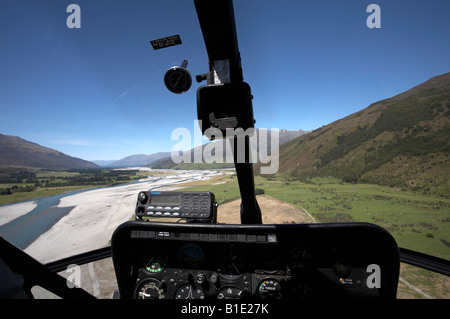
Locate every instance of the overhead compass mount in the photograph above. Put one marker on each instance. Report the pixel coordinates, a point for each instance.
(178, 79)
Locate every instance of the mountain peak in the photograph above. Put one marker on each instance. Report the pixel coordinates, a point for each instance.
(15, 151)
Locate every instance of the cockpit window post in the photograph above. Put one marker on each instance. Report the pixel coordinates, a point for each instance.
(226, 101)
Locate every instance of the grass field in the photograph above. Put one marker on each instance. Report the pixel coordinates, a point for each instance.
(416, 221)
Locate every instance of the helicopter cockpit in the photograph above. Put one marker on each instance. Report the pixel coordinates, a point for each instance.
(199, 258)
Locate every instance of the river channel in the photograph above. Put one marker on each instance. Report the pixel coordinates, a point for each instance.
(25, 229)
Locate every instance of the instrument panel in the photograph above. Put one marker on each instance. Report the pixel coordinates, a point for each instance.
(264, 262)
(193, 270)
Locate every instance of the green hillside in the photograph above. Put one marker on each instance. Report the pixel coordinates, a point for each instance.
(402, 142)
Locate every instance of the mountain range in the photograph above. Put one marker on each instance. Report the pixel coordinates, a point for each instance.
(134, 160)
(15, 151)
(403, 141)
(262, 139)
(164, 159)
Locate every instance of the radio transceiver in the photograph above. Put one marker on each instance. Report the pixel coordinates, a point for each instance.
(188, 205)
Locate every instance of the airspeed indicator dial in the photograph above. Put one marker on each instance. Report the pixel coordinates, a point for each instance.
(149, 289)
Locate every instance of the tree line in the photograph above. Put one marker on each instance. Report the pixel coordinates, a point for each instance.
(27, 181)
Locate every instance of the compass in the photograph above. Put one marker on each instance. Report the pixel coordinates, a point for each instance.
(178, 79)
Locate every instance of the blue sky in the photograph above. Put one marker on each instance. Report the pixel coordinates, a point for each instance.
(97, 92)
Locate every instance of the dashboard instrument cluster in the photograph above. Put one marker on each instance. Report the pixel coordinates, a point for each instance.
(263, 262)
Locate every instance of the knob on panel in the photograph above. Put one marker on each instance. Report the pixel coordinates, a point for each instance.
(342, 269)
(142, 198)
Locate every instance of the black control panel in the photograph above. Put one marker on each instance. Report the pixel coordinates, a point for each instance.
(259, 262)
(188, 205)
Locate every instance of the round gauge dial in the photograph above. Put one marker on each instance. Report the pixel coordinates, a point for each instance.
(155, 259)
(189, 291)
(270, 289)
(155, 265)
(148, 289)
(178, 80)
(191, 255)
(229, 292)
(270, 261)
(300, 259)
